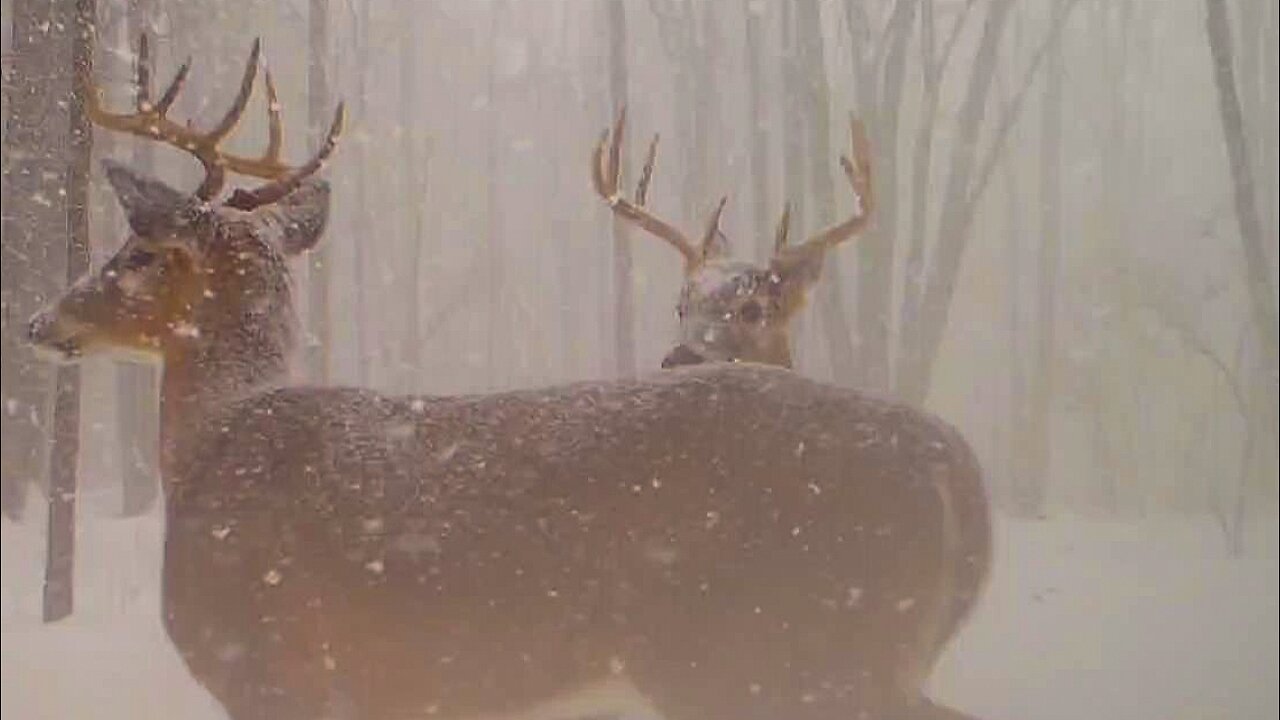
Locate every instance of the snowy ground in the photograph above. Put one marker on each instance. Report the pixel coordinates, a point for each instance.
(1143, 620)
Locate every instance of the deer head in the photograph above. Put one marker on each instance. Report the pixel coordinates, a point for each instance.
(195, 266)
(732, 310)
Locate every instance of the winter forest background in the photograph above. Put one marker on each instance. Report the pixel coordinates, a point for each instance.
(1073, 259)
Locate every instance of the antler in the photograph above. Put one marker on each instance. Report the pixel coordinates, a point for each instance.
(859, 173)
(151, 120)
(605, 171)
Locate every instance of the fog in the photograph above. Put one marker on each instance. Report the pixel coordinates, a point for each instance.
(1072, 257)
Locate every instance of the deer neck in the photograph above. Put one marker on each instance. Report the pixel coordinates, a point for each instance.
(205, 375)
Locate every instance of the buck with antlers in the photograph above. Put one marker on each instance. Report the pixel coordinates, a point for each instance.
(724, 541)
(734, 311)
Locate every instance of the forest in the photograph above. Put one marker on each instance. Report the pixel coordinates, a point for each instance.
(1071, 257)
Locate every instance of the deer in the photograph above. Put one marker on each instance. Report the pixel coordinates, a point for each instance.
(725, 540)
(731, 310)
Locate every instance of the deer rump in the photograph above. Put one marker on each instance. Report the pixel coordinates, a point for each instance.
(733, 541)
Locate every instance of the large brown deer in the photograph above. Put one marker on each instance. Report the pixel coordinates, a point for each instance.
(730, 310)
(722, 542)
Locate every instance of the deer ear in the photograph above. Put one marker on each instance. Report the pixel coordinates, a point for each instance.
(147, 202)
(795, 270)
(301, 216)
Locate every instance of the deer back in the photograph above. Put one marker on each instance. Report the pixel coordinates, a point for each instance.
(692, 534)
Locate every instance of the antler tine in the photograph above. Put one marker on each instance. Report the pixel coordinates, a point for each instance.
(142, 93)
(275, 132)
(598, 177)
(713, 229)
(784, 229)
(858, 171)
(646, 174)
(605, 171)
(236, 111)
(613, 171)
(175, 87)
(273, 191)
(152, 121)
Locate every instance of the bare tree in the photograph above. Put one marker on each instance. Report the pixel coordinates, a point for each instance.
(881, 96)
(817, 111)
(494, 245)
(1040, 389)
(34, 213)
(362, 216)
(75, 18)
(793, 186)
(137, 385)
(690, 36)
(416, 175)
(1257, 279)
(754, 52)
(624, 344)
(931, 304)
(318, 113)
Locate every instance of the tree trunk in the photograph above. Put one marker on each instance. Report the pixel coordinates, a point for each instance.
(921, 344)
(624, 344)
(692, 44)
(495, 330)
(319, 114)
(361, 215)
(793, 144)
(1257, 280)
(760, 200)
(75, 18)
(876, 250)
(33, 225)
(416, 168)
(817, 110)
(137, 385)
(1041, 390)
(1016, 378)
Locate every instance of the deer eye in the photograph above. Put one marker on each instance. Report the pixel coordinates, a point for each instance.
(751, 312)
(139, 259)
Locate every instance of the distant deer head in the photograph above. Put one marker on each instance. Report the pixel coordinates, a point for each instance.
(196, 267)
(732, 310)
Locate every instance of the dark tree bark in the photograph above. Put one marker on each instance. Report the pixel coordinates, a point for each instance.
(76, 18)
(34, 226)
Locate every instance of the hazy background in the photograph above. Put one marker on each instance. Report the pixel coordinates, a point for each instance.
(1057, 267)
